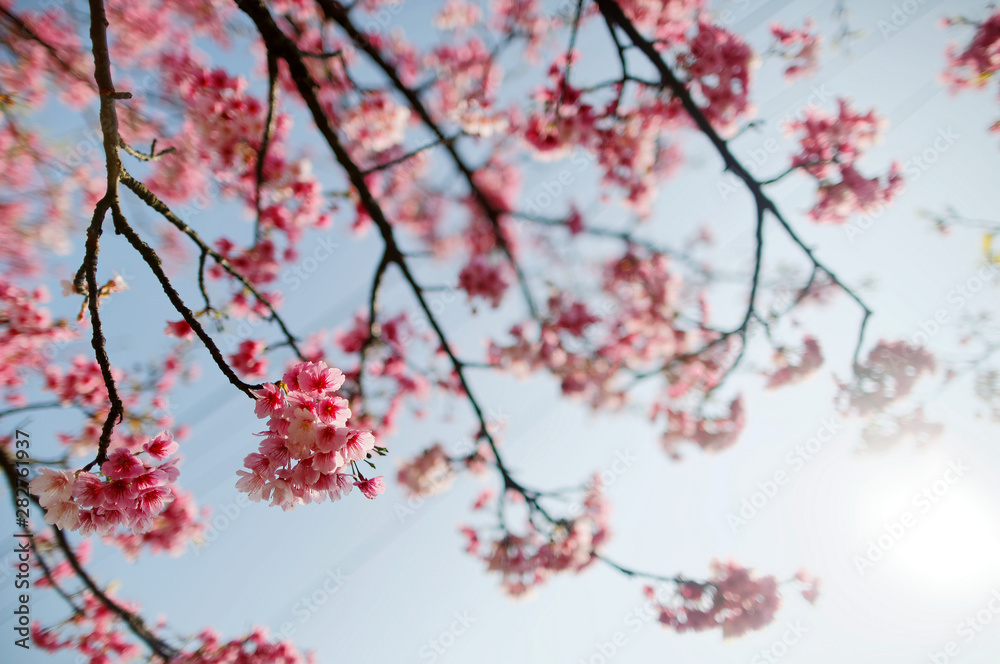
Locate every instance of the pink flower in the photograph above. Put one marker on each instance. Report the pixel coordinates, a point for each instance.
(180, 329)
(249, 359)
(64, 514)
(52, 486)
(122, 465)
(270, 399)
(160, 447)
(483, 279)
(371, 487)
(427, 474)
(89, 490)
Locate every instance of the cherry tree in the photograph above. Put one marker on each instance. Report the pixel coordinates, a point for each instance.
(330, 120)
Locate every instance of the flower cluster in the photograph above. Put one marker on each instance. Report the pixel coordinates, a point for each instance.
(734, 599)
(249, 359)
(130, 492)
(810, 360)
(711, 434)
(593, 356)
(27, 336)
(831, 146)
(804, 61)
(481, 278)
(427, 474)
(387, 364)
(719, 64)
(173, 528)
(668, 20)
(889, 374)
(255, 648)
(308, 454)
(525, 561)
(974, 66)
(376, 124)
(97, 633)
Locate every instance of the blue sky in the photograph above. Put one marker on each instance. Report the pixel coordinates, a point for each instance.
(395, 583)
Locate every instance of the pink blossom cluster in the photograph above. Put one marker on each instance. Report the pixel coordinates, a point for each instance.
(144, 394)
(810, 585)
(81, 384)
(565, 120)
(525, 18)
(831, 146)
(98, 634)
(33, 71)
(526, 561)
(592, 356)
(249, 359)
(670, 21)
(627, 140)
(805, 60)
(95, 632)
(719, 65)
(467, 79)
(45, 542)
(130, 492)
(484, 278)
(172, 529)
(640, 330)
(733, 599)
(259, 264)
(46, 219)
(386, 363)
(457, 15)
(376, 124)
(889, 374)
(145, 31)
(255, 648)
(308, 454)
(429, 473)
(810, 360)
(28, 336)
(974, 66)
(219, 140)
(710, 434)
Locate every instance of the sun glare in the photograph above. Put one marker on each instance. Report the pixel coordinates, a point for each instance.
(934, 532)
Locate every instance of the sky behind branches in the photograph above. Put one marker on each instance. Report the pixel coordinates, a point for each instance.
(402, 581)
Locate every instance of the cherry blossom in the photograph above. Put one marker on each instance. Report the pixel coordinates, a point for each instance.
(804, 61)
(308, 454)
(734, 599)
(830, 147)
(974, 66)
